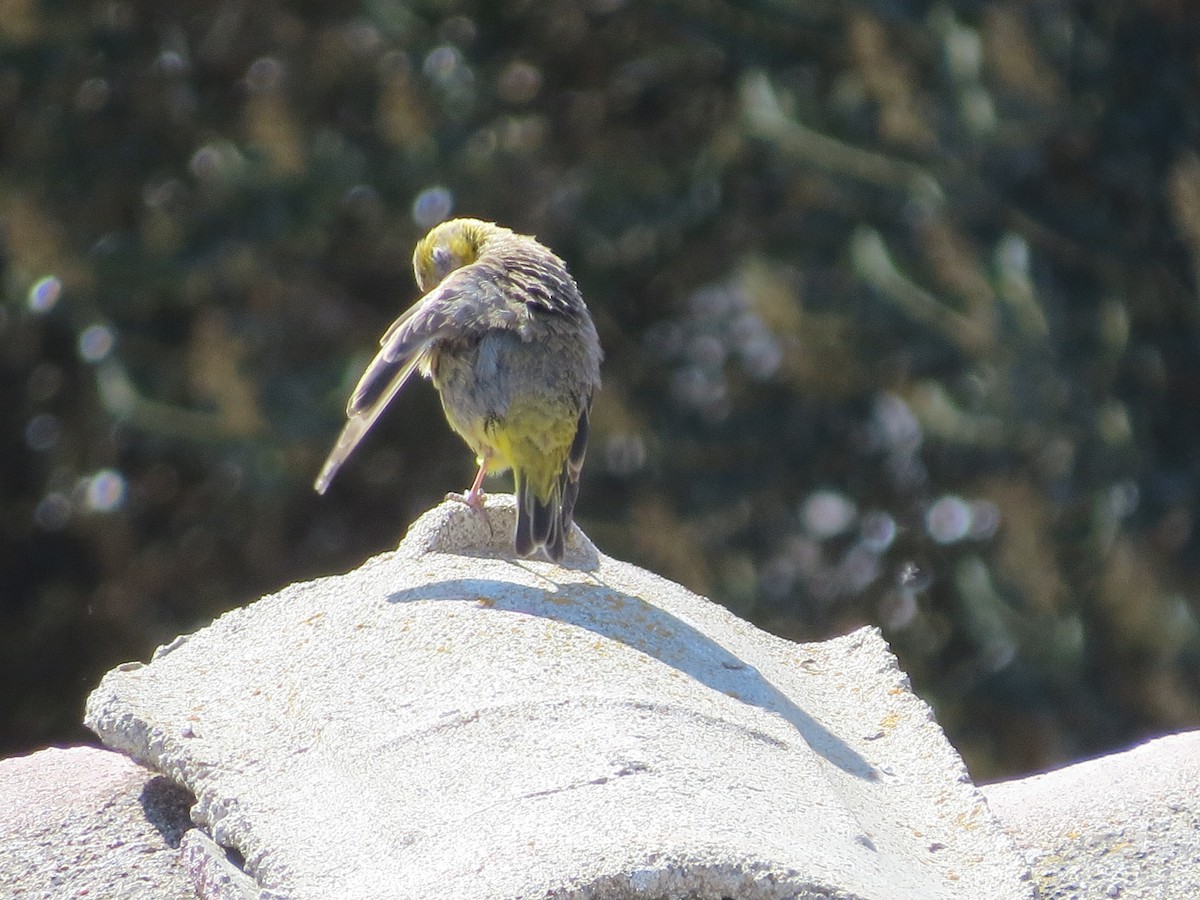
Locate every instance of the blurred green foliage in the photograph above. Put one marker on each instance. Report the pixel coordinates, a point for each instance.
(899, 301)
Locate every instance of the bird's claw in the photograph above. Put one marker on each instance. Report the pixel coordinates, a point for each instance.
(472, 498)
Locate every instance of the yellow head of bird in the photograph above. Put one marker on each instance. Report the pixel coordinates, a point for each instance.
(447, 247)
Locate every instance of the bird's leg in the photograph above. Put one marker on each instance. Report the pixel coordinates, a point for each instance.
(474, 497)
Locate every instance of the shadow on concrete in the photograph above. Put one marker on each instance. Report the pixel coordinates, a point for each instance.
(168, 808)
(646, 628)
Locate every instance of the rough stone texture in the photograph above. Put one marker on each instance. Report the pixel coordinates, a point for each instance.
(1123, 826)
(447, 721)
(85, 822)
(213, 874)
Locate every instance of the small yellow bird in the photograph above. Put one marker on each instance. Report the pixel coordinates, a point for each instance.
(509, 344)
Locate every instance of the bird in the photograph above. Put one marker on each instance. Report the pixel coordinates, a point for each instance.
(502, 331)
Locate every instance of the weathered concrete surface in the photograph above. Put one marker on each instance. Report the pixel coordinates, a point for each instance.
(1123, 826)
(212, 873)
(85, 822)
(449, 722)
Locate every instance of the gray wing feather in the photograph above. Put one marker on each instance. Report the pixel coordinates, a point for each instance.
(363, 418)
(404, 346)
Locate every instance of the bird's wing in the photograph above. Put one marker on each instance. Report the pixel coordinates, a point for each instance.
(543, 286)
(359, 423)
(449, 309)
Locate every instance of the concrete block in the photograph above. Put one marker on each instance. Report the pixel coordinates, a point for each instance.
(86, 822)
(1122, 826)
(448, 721)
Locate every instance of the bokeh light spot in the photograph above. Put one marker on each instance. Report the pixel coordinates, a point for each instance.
(985, 519)
(432, 205)
(42, 431)
(44, 382)
(761, 357)
(1012, 254)
(858, 569)
(264, 75)
(96, 342)
(1123, 499)
(827, 514)
(878, 530)
(519, 83)
(105, 491)
(441, 63)
(216, 163)
(898, 426)
(362, 37)
(624, 454)
(948, 519)
(44, 294)
(171, 62)
(53, 512)
(694, 388)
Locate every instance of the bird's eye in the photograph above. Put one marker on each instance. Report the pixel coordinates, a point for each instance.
(441, 260)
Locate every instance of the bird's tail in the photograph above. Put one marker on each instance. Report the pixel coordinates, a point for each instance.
(540, 523)
(545, 522)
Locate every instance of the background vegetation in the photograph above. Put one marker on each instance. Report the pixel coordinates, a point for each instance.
(899, 300)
